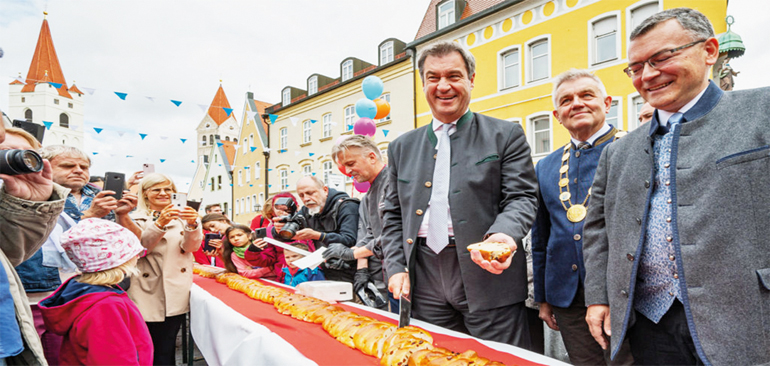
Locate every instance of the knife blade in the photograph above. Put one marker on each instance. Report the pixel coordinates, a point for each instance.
(404, 310)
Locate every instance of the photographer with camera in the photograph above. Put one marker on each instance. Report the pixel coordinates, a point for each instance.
(30, 203)
(327, 217)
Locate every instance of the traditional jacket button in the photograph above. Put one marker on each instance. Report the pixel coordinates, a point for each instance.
(671, 257)
(666, 165)
(409, 241)
(624, 293)
(577, 154)
(576, 237)
(428, 184)
(669, 238)
(671, 293)
(669, 201)
(639, 220)
(630, 257)
(435, 155)
(184, 270)
(647, 184)
(145, 275)
(676, 275)
(418, 212)
(668, 182)
(574, 267)
(668, 219)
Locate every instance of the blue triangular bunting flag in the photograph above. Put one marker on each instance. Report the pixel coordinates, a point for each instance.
(143, 135)
(183, 140)
(48, 125)
(192, 161)
(219, 144)
(270, 170)
(292, 172)
(314, 174)
(385, 132)
(177, 102)
(55, 85)
(251, 185)
(269, 186)
(162, 160)
(98, 130)
(313, 121)
(95, 153)
(253, 149)
(228, 111)
(311, 154)
(129, 156)
(273, 117)
(121, 95)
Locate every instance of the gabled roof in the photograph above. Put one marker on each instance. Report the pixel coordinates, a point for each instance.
(228, 150)
(429, 21)
(45, 65)
(75, 89)
(262, 128)
(215, 109)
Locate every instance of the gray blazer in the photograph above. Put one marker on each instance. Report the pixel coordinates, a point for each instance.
(492, 189)
(721, 214)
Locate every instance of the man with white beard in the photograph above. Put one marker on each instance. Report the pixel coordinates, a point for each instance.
(332, 217)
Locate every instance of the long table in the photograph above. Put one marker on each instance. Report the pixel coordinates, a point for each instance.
(230, 328)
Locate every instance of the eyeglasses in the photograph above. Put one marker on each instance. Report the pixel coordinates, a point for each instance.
(656, 60)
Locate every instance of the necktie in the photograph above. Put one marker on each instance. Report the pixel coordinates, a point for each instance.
(583, 145)
(675, 118)
(438, 231)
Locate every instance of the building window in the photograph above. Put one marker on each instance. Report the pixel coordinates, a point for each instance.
(203, 141)
(237, 207)
(633, 122)
(612, 115)
(28, 115)
(385, 97)
(510, 68)
(254, 201)
(219, 182)
(350, 117)
(240, 177)
(312, 85)
(327, 125)
(251, 141)
(257, 170)
(213, 184)
(23, 99)
(347, 70)
(227, 138)
(327, 171)
(56, 101)
(640, 13)
(248, 204)
(539, 60)
(247, 172)
(286, 97)
(446, 14)
(306, 170)
(284, 138)
(306, 131)
(386, 53)
(211, 140)
(262, 198)
(224, 209)
(64, 121)
(604, 39)
(540, 135)
(70, 105)
(284, 180)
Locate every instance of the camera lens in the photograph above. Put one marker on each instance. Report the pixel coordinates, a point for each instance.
(16, 162)
(288, 231)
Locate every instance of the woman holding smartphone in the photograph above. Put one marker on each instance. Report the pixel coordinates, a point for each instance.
(162, 290)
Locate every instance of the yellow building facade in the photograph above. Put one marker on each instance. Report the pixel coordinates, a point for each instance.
(249, 167)
(522, 45)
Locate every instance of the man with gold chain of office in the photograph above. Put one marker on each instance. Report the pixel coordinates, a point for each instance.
(565, 176)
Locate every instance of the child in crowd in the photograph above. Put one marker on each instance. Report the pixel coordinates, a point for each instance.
(293, 275)
(236, 240)
(213, 223)
(100, 324)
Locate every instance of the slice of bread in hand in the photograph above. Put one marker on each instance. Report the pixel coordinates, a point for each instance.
(492, 250)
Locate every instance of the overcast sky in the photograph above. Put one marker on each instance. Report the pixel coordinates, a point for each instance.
(174, 49)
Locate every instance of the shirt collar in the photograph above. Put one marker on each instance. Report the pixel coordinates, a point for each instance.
(436, 125)
(591, 140)
(665, 115)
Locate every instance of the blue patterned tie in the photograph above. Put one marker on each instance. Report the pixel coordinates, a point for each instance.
(438, 230)
(675, 118)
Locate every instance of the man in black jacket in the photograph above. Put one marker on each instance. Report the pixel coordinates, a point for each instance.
(332, 217)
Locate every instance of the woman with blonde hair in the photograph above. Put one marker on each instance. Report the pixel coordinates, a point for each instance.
(162, 290)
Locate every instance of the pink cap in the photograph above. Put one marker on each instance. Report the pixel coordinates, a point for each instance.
(96, 245)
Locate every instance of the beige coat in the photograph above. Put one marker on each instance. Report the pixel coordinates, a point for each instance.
(24, 227)
(162, 288)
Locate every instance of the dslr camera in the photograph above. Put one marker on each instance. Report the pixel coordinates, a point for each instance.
(293, 222)
(17, 162)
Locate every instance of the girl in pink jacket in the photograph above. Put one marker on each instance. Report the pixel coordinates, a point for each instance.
(236, 240)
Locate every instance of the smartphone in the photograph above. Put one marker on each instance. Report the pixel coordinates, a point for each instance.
(194, 204)
(259, 233)
(115, 182)
(179, 200)
(206, 246)
(148, 168)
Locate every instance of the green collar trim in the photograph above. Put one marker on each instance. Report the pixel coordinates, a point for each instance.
(467, 117)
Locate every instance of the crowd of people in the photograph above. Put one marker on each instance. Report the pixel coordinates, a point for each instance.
(647, 247)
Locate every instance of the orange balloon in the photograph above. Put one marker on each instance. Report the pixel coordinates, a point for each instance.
(383, 108)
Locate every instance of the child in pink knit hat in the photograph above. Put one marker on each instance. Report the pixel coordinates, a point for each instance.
(100, 324)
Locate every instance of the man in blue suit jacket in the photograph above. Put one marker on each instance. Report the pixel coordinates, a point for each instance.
(565, 176)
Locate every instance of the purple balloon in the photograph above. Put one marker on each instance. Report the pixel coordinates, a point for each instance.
(365, 126)
(361, 187)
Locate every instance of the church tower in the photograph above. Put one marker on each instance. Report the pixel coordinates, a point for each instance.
(45, 99)
(216, 125)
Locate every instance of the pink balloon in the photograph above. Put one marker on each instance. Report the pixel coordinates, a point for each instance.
(361, 187)
(365, 126)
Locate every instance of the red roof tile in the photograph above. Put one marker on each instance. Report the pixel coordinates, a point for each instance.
(215, 109)
(472, 7)
(229, 147)
(45, 65)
